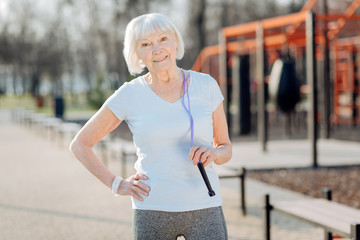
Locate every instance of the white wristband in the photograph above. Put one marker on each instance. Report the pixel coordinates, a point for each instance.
(115, 185)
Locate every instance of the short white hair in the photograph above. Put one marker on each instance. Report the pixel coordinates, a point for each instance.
(142, 26)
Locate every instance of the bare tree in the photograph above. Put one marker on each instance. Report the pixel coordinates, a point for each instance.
(22, 40)
(197, 31)
(91, 44)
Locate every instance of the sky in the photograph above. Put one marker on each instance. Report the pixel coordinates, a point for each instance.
(49, 6)
(46, 10)
(3, 7)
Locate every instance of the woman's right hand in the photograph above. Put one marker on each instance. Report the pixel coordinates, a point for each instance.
(133, 187)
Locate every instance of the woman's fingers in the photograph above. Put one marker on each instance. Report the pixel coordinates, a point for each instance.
(133, 187)
(205, 154)
(140, 184)
(138, 188)
(136, 196)
(196, 153)
(141, 188)
(139, 176)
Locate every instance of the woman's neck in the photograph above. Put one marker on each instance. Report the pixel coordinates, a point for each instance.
(164, 77)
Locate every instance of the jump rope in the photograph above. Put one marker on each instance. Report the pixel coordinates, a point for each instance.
(199, 163)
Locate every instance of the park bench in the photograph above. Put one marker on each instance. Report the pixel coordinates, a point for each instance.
(43, 124)
(50, 127)
(37, 122)
(18, 115)
(333, 217)
(67, 131)
(25, 117)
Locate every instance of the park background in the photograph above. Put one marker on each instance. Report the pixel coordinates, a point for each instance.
(64, 58)
(73, 49)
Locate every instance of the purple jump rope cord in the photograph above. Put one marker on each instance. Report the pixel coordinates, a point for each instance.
(186, 86)
(199, 163)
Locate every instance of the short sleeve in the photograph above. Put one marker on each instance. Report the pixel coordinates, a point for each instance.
(217, 95)
(117, 102)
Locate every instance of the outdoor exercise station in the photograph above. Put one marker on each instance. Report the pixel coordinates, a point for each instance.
(311, 56)
(303, 68)
(319, 48)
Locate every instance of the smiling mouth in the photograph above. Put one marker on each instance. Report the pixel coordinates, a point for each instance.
(160, 60)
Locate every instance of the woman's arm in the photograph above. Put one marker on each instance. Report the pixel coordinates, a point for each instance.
(222, 148)
(221, 140)
(101, 124)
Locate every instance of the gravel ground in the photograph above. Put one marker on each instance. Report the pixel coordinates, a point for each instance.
(344, 182)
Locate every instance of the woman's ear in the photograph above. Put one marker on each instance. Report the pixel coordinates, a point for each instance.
(138, 57)
(176, 42)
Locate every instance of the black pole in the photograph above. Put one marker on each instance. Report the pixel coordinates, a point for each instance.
(242, 186)
(355, 231)
(327, 194)
(260, 69)
(312, 82)
(267, 219)
(326, 96)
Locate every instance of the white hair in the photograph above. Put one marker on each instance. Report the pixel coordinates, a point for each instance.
(140, 27)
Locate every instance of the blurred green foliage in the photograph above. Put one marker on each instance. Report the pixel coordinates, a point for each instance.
(96, 96)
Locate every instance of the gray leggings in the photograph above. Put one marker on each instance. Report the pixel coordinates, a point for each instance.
(206, 224)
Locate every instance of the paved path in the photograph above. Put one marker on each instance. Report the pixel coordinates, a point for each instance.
(294, 153)
(46, 194)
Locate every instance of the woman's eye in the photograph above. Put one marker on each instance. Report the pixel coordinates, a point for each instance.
(163, 38)
(145, 44)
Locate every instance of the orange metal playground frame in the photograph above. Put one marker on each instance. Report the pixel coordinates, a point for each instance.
(326, 45)
(289, 32)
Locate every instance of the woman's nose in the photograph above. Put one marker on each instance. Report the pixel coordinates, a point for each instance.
(157, 48)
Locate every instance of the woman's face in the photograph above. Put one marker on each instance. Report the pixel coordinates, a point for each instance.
(158, 51)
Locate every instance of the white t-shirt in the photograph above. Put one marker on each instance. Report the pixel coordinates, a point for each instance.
(161, 133)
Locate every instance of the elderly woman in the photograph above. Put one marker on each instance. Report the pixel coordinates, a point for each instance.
(177, 119)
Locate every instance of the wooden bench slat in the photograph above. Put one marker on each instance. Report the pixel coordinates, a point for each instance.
(347, 213)
(315, 207)
(330, 215)
(319, 220)
(344, 213)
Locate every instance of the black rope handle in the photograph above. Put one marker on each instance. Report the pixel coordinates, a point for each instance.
(206, 179)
